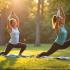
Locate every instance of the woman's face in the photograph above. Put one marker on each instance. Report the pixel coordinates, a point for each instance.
(60, 20)
(13, 23)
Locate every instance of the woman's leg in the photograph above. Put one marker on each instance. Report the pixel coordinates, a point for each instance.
(22, 46)
(65, 45)
(7, 50)
(52, 50)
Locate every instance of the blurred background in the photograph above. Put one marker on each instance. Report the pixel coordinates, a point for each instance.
(35, 19)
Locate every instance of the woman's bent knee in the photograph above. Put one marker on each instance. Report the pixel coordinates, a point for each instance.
(24, 45)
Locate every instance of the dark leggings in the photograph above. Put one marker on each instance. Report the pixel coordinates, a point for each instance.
(54, 48)
(11, 46)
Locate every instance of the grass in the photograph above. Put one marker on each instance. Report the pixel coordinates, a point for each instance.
(21, 63)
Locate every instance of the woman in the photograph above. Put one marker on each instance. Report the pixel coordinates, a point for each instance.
(58, 22)
(13, 30)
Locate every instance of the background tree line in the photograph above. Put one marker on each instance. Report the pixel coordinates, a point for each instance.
(35, 19)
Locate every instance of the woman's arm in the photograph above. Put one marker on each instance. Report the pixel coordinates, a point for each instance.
(55, 26)
(62, 12)
(9, 28)
(16, 17)
(60, 15)
(10, 16)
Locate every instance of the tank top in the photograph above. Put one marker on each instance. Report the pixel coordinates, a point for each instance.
(14, 36)
(62, 36)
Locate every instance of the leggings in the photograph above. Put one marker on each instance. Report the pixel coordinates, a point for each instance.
(11, 46)
(54, 48)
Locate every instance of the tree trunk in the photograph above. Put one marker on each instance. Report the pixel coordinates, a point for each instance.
(37, 40)
(1, 36)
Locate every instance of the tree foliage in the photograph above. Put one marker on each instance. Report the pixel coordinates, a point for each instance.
(26, 11)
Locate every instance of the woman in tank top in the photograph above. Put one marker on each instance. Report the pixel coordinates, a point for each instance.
(13, 30)
(60, 42)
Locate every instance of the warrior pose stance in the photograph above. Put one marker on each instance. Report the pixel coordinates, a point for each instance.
(58, 22)
(13, 30)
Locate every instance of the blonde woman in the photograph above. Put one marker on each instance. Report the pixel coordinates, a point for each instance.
(13, 29)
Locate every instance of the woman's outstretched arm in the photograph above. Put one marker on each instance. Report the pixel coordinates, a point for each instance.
(9, 28)
(16, 17)
(62, 12)
(13, 15)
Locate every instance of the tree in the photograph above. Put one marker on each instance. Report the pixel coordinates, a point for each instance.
(39, 16)
(4, 5)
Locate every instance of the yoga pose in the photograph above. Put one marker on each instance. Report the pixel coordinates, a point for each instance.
(58, 22)
(13, 30)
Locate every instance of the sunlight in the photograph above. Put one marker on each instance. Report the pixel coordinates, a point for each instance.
(16, 2)
(2, 58)
(36, 1)
(46, 1)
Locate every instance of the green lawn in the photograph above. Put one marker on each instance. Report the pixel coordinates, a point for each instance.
(35, 63)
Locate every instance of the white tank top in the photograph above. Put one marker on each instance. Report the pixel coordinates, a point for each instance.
(14, 36)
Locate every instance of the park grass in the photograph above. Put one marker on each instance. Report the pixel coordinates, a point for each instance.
(21, 63)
